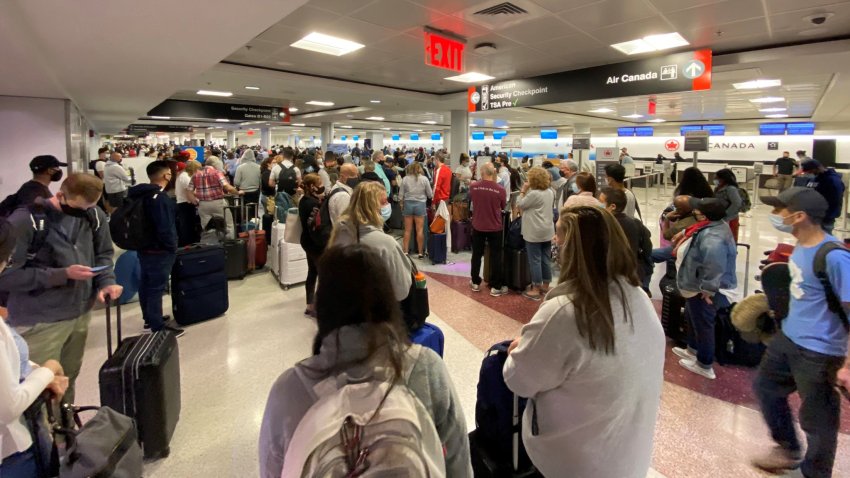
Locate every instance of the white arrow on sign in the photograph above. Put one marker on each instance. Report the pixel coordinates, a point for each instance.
(693, 69)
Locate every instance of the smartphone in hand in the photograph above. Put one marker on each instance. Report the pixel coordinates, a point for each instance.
(99, 269)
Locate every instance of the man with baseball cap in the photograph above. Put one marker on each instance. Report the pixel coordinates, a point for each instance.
(829, 184)
(45, 169)
(809, 354)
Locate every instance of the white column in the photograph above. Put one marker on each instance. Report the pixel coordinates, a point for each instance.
(231, 139)
(377, 141)
(207, 138)
(458, 139)
(327, 135)
(446, 137)
(265, 138)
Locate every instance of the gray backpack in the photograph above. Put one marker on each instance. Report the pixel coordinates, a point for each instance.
(366, 428)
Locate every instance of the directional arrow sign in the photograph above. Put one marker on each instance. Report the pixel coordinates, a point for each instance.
(693, 69)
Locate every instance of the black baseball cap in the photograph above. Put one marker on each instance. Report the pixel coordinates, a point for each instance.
(798, 199)
(810, 165)
(46, 161)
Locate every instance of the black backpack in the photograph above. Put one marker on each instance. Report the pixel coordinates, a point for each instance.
(131, 226)
(287, 181)
(8, 206)
(319, 223)
(264, 183)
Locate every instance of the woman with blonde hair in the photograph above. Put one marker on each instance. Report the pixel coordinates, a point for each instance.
(591, 360)
(363, 223)
(414, 194)
(535, 202)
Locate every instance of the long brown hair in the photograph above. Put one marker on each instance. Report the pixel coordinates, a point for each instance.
(596, 253)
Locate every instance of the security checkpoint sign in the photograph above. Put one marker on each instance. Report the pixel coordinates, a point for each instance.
(581, 141)
(663, 74)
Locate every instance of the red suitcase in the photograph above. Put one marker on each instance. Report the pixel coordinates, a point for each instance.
(258, 253)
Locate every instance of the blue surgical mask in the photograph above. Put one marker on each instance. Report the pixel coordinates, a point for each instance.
(574, 188)
(386, 212)
(779, 223)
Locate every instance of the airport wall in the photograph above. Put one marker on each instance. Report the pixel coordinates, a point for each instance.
(29, 127)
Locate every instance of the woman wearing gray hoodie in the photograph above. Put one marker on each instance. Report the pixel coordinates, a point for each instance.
(247, 177)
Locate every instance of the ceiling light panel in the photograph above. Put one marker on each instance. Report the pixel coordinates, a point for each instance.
(161, 117)
(215, 93)
(327, 44)
(767, 99)
(252, 87)
(470, 77)
(771, 110)
(319, 103)
(633, 116)
(375, 118)
(776, 116)
(757, 84)
(651, 43)
(221, 120)
(601, 110)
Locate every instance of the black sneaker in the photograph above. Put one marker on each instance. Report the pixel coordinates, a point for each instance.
(147, 326)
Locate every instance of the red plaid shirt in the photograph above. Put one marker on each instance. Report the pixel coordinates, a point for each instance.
(208, 184)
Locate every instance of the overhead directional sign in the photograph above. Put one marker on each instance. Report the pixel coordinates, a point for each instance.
(696, 141)
(212, 111)
(663, 74)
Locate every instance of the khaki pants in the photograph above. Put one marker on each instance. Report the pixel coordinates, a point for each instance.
(64, 342)
(785, 181)
(209, 209)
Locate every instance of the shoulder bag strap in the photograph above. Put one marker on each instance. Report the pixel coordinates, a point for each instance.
(820, 270)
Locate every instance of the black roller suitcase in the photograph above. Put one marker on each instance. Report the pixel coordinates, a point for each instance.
(199, 284)
(236, 258)
(141, 379)
(519, 277)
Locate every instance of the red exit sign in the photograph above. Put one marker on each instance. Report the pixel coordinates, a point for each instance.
(443, 52)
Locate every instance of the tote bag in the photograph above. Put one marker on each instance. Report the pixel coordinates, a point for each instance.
(292, 233)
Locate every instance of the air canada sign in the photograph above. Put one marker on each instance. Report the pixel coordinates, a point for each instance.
(732, 146)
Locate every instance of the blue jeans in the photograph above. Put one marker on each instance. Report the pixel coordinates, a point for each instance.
(662, 254)
(539, 261)
(702, 317)
(155, 271)
(20, 465)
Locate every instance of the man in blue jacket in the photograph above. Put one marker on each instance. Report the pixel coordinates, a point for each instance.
(158, 257)
(829, 184)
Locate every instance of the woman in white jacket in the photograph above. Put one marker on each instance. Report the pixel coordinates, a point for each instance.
(21, 382)
(592, 358)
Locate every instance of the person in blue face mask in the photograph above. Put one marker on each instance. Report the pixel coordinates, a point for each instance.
(809, 354)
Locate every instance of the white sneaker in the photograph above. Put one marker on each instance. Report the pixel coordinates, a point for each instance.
(499, 292)
(694, 367)
(475, 287)
(684, 352)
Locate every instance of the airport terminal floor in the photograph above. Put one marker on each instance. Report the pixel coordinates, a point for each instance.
(705, 429)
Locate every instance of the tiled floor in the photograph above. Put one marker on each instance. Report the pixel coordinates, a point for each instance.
(705, 430)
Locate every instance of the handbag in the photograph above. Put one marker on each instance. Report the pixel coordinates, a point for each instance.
(292, 232)
(415, 308)
(438, 225)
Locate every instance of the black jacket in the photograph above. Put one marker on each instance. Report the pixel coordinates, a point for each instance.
(640, 240)
(160, 209)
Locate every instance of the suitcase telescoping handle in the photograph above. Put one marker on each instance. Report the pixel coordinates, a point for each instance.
(746, 268)
(109, 349)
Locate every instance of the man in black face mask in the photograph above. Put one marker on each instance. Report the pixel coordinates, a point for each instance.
(340, 194)
(62, 263)
(45, 169)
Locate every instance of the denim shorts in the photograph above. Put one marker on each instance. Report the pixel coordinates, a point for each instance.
(414, 208)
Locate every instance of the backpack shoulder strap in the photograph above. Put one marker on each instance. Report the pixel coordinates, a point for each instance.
(41, 228)
(819, 268)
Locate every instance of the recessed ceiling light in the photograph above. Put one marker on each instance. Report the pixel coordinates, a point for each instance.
(651, 43)
(161, 117)
(319, 103)
(298, 124)
(657, 120)
(222, 120)
(601, 110)
(771, 110)
(196, 126)
(470, 77)
(418, 130)
(776, 116)
(375, 118)
(346, 127)
(756, 84)
(472, 124)
(768, 99)
(214, 93)
(504, 127)
(330, 45)
(374, 101)
(385, 129)
(429, 122)
(633, 116)
(293, 109)
(252, 87)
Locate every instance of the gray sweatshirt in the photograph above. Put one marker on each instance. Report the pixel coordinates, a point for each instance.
(248, 175)
(398, 264)
(39, 290)
(416, 188)
(538, 221)
(429, 380)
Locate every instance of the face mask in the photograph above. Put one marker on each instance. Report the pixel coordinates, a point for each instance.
(320, 190)
(57, 176)
(779, 223)
(386, 212)
(74, 211)
(352, 182)
(574, 188)
(716, 183)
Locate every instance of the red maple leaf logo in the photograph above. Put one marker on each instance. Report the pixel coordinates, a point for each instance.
(671, 145)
